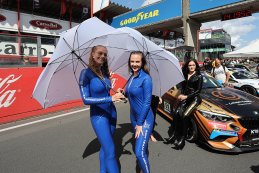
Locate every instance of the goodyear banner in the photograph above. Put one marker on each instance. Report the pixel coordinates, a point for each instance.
(157, 12)
(195, 5)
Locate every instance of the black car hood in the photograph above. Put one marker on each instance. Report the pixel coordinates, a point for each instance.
(233, 101)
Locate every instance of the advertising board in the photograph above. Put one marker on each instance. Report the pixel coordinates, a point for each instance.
(157, 12)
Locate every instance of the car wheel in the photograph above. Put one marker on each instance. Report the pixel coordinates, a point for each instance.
(192, 131)
(249, 90)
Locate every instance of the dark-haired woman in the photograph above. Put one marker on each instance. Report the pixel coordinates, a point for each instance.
(189, 99)
(95, 87)
(139, 93)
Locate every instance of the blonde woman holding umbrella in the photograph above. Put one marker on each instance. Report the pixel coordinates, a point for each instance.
(95, 88)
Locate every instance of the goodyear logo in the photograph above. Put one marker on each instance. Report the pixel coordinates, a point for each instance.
(139, 17)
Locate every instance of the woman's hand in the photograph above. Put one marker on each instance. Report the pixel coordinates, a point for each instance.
(138, 131)
(182, 97)
(160, 101)
(111, 73)
(117, 97)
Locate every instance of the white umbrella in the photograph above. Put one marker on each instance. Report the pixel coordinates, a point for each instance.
(59, 80)
(164, 67)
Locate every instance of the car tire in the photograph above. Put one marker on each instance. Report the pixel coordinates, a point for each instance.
(192, 131)
(249, 89)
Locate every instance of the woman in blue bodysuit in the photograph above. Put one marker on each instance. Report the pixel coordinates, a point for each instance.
(139, 93)
(95, 85)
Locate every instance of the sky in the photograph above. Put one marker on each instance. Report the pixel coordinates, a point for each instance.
(130, 3)
(243, 31)
(134, 3)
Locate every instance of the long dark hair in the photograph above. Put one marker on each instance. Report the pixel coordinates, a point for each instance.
(93, 65)
(143, 60)
(185, 68)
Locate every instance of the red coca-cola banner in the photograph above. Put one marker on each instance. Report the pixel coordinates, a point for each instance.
(16, 87)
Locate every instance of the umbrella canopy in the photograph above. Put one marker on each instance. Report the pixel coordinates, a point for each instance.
(164, 67)
(59, 80)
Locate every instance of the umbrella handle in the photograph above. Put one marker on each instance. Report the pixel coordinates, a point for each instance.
(127, 81)
(124, 100)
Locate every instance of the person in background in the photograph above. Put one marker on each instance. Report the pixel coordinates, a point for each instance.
(207, 64)
(139, 93)
(213, 64)
(233, 62)
(220, 72)
(257, 69)
(188, 100)
(95, 87)
(154, 104)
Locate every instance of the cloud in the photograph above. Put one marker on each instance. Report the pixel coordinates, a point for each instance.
(252, 42)
(237, 28)
(148, 2)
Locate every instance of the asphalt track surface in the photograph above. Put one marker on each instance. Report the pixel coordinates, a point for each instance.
(67, 144)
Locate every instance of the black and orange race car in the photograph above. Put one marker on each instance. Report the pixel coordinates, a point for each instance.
(227, 119)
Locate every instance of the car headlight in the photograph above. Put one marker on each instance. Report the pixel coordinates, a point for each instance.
(216, 116)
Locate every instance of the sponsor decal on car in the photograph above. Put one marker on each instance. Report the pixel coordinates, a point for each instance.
(254, 131)
(217, 125)
(167, 106)
(218, 132)
(225, 95)
(239, 103)
(206, 104)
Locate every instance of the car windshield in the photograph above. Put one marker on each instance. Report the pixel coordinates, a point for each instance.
(243, 75)
(210, 82)
(241, 66)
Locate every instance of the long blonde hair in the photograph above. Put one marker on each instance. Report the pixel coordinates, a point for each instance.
(93, 65)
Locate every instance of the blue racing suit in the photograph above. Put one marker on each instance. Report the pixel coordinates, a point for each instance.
(103, 116)
(139, 93)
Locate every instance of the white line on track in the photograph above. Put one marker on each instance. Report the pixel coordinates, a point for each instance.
(42, 120)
